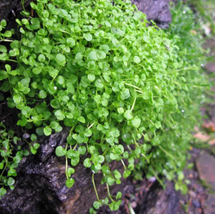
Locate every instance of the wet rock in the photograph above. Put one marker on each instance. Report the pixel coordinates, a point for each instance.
(205, 164)
(166, 201)
(210, 67)
(192, 194)
(40, 184)
(196, 203)
(208, 205)
(156, 10)
(6, 7)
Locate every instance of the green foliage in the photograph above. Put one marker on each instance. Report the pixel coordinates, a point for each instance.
(96, 67)
(205, 10)
(9, 158)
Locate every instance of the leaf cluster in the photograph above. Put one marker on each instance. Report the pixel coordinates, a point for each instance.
(9, 158)
(98, 68)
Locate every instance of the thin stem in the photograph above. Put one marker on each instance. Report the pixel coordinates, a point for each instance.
(6, 162)
(133, 104)
(166, 152)
(123, 164)
(90, 126)
(97, 196)
(108, 190)
(133, 86)
(157, 177)
(183, 69)
(11, 60)
(139, 91)
(66, 169)
(135, 142)
(75, 147)
(6, 40)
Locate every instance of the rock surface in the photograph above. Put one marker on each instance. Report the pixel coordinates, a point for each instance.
(206, 168)
(6, 7)
(209, 204)
(40, 184)
(166, 201)
(156, 10)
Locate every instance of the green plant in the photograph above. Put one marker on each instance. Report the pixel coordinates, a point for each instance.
(96, 67)
(10, 157)
(205, 10)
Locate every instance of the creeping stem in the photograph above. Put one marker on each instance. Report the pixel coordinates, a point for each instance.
(94, 185)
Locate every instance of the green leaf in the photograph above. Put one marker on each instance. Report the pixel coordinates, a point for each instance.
(113, 156)
(70, 42)
(60, 151)
(37, 70)
(117, 174)
(119, 195)
(36, 146)
(42, 94)
(91, 149)
(88, 132)
(87, 162)
(55, 103)
(3, 49)
(70, 88)
(180, 175)
(2, 191)
(53, 72)
(82, 150)
(47, 130)
(91, 77)
(128, 115)
(33, 137)
(35, 23)
(136, 59)
(41, 58)
(101, 54)
(17, 98)
(70, 182)
(3, 75)
(70, 171)
(60, 80)
(1, 165)
(33, 151)
(3, 23)
(97, 204)
(126, 173)
(110, 181)
(99, 84)
(93, 55)
(101, 158)
(10, 181)
(74, 161)
(125, 94)
(104, 48)
(87, 36)
(12, 171)
(81, 119)
(136, 122)
(120, 110)
(61, 59)
(59, 114)
(78, 56)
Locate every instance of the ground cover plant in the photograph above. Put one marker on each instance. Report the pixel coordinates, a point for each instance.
(100, 69)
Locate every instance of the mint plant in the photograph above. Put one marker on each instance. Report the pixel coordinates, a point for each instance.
(98, 68)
